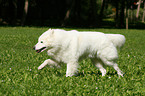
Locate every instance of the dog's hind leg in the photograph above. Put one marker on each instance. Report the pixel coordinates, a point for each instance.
(49, 62)
(101, 68)
(99, 65)
(119, 72)
(114, 65)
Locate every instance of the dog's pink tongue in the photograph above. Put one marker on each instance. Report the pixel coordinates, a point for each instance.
(38, 51)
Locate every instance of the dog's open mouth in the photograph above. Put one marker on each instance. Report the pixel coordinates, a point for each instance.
(40, 50)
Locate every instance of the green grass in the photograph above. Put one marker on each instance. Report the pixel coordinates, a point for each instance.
(19, 75)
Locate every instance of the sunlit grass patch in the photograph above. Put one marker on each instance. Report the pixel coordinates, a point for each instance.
(19, 62)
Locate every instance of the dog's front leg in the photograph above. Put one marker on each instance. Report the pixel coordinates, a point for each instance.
(72, 69)
(49, 62)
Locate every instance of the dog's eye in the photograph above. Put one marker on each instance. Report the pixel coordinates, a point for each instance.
(41, 41)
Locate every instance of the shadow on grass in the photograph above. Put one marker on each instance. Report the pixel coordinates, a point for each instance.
(97, 74)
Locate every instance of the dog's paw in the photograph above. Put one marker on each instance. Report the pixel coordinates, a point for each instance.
(71, 74)
(39, 68)
(121, 74)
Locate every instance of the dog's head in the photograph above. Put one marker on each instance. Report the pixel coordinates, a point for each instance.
(45, 41)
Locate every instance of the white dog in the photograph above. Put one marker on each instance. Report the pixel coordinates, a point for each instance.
(72, 46)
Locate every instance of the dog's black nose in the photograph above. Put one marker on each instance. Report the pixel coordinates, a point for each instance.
(34, 47)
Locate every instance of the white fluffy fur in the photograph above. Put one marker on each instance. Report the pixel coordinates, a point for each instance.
(72, 46)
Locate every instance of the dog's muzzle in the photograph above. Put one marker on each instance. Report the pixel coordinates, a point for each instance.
(39, 50)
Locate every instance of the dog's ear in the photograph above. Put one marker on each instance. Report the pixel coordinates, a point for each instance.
(51, 30)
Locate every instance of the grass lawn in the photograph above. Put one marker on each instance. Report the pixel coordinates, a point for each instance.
(19, 75)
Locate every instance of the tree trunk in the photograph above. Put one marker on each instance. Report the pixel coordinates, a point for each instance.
(25, 12)
(102, 9)
(15, 12)
(117, 11)
(137, 13)
(143, 13)
(127, 14)
(121, 21)
(67, 15)
(92, 13)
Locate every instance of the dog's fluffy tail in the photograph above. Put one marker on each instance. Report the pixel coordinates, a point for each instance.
(117, 39)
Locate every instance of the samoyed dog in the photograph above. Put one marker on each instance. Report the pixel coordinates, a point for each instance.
(72, 46)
